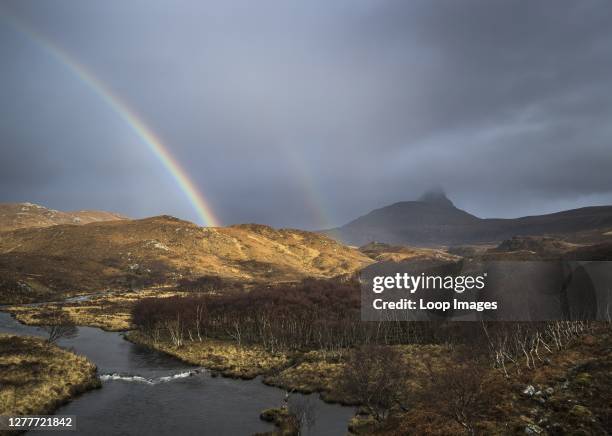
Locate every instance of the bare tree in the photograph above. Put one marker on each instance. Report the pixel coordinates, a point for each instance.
(175, 329)
(60, 326)
(456, 389)
(374, 376)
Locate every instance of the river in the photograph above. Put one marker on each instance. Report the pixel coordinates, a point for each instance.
(148, 392)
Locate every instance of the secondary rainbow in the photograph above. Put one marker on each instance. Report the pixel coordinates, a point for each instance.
(147, 136)
(312, 197)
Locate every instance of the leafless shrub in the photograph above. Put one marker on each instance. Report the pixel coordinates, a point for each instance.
(374, 376)
(314, 314)
(525, 345)
(456, 390)
(175, 329)
(61, 326)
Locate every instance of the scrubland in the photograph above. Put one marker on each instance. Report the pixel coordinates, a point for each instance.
(37, 377)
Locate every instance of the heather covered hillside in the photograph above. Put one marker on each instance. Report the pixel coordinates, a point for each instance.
(39, 263)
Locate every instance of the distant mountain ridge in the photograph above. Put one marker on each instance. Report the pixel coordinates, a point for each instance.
(15, 216)
(434, 220)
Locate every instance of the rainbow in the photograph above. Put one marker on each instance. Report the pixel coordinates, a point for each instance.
(309, 188)
(142, 131)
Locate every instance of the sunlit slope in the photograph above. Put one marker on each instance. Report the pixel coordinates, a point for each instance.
(40, 262)
(24, 215)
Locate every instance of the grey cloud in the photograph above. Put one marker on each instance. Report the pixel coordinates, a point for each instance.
(294, 113)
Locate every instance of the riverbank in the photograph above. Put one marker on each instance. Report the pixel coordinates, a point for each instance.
(110, 312)
(286, 423)
(302, 372)
(306, 373)
(36, 378)
(315, 372)
(221, 357)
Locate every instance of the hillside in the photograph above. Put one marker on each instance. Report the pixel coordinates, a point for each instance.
(25, 215)
(397, 253)
(434, 220)
(542, 246)
(42, 263)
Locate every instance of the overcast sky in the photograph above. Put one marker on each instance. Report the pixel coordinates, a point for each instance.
(310, 113)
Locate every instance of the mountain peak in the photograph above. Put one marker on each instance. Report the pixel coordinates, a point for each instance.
(436, 196)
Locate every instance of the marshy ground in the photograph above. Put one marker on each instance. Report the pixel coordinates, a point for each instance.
(110, 312)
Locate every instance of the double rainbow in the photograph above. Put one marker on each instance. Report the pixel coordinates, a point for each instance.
(146, 135)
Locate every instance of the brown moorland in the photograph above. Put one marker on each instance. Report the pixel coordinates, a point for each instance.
(43, 264)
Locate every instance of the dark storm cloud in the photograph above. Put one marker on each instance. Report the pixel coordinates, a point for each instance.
(495, 61)
(310, 113)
